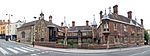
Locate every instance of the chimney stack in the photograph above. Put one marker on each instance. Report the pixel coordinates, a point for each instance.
(142, 22)
(62, 24)
(129, 14)
(87, 23)
(50, 19)
(115, 8)
(101, 16)
(73, 23)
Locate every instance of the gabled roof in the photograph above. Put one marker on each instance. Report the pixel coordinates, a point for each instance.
(81, 28)
(29, 24)
(32, 23)
(121, 18)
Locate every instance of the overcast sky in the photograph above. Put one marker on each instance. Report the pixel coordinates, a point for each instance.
(74, 10)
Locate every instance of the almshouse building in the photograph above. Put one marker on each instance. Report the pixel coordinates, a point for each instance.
(114, 30)
(117, 30)
(39, 31)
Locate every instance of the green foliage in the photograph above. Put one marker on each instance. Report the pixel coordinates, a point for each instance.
(146, 35)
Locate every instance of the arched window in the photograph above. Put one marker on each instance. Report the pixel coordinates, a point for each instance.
(23, 34)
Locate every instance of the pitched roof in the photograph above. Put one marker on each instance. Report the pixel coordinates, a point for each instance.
(32, 23)
(82, 28)
(121, 18)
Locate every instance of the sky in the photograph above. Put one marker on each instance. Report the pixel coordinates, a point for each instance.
(74, 10)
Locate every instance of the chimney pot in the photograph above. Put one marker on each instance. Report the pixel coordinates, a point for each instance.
(142, 22)
(129, 14)
(87, 23)
(115, 8)
(73, 23)
(101, 16)
(62, 24)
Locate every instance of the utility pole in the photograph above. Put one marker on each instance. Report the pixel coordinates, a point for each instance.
(9, 15)
(34, 31)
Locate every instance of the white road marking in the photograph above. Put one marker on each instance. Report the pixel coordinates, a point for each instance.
(3, 51)
(20, 49)
(43, 52)
(27, 49)
(38, 53)
(46, 51)
(34, 55)
(33, 48)
(13, 50)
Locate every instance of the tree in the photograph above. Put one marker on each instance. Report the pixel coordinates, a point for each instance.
(146, 36)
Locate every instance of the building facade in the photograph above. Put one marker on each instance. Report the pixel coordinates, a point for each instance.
(113, 31)
(40, 31)
(117, 30)
(2, 28)
(11, 29)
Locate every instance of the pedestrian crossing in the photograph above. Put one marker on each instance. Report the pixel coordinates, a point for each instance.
(17, 50)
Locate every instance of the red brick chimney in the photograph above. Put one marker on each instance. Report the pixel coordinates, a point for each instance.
(87, 23)
(129, 14)
(115, 8)
(73, 23)
(62, 24)
(101, 16)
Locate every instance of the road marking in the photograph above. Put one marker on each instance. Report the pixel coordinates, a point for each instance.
(20, 49)
(13, 50)
(34, 55)
(43, 52)
(33, 48)
(46, 51)
(3, 51)
(27, 49)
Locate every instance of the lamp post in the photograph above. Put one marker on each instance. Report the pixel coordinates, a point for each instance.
(9, 15)
(33, 41)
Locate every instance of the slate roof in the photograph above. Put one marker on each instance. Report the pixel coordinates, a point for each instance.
(121, 18)
(34, 22)
(82, 28)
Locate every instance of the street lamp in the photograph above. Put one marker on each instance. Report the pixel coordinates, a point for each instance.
(9, 15)
(34, 32)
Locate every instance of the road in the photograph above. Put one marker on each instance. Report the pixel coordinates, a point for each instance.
(8, 48)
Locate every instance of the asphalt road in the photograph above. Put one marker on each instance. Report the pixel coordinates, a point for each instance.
(8, 48)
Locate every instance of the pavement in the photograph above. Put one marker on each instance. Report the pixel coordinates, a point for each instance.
(90, 50)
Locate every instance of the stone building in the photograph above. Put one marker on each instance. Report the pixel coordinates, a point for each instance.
(40, 31)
